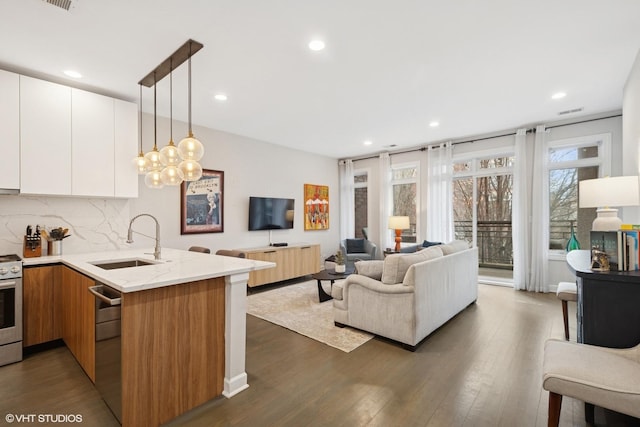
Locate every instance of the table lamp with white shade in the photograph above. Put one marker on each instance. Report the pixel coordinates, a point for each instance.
(399, 223)
(607, 194)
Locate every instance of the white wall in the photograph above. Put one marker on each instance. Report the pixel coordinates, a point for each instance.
(251, 168)
(631, 134)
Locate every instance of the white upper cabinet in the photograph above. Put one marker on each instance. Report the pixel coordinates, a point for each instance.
(92, 144)
(10, 130)
(72, 142)
(45, 137)
(126, 143)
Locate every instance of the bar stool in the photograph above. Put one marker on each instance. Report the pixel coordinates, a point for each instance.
(567, 291)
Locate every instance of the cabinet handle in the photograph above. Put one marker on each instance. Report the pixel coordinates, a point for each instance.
(269, 252)
(95, 290)
(305, 247)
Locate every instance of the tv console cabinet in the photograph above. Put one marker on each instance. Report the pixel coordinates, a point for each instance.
(291, 261)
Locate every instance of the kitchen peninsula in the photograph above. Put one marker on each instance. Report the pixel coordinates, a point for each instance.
(183, 325)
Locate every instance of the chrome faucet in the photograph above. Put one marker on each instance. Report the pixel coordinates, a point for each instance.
(156, 252)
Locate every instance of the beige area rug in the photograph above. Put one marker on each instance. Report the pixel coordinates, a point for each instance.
(296, 307)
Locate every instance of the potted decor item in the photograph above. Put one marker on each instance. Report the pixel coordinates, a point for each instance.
(340, 267)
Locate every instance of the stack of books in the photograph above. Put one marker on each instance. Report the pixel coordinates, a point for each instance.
(620, 246)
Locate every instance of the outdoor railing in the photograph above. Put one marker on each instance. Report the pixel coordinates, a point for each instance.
(495, 243)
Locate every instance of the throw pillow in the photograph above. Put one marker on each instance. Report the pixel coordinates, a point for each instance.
(371, 269)
(427, 244)
(455, 246)
(396, 265)
(355, 246)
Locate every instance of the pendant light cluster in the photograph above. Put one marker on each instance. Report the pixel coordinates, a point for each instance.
(173, 164)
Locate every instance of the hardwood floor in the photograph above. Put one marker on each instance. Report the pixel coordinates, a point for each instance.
(483, 368)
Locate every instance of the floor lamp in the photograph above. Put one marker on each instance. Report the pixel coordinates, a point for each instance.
(603, 193)
(398, 223)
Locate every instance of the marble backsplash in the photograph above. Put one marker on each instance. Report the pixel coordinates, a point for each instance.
(94, 224)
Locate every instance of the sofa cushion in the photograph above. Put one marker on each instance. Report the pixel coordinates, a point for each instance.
(371, 269)
(355, 246)
(396, 265)
(427, 244)
(454, 246)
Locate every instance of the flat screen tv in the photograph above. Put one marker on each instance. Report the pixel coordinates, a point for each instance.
(270, 213)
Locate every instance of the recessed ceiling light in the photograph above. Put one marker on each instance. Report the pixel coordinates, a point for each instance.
(368, 142)
(316, 45)
(220, 97)
(558, 95)
(434, 124)
(73, 74)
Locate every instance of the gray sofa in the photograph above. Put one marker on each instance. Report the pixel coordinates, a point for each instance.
(408, 296)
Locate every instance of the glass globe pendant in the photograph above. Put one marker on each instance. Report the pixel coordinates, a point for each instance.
(190, 149)
(191, 170)
(169, 155)
(153, 179)
(140, 162)
(171, 175)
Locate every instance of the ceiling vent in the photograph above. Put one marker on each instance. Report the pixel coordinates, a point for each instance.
(575, 110)
(62, 4)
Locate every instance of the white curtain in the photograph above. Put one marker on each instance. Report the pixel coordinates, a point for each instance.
(440, 193)
(539, 216)
(347, 211)
(521, 219)
(385, 201)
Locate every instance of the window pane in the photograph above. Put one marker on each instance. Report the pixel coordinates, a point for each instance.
(360, 179)
(574, 153)
(495, 246)
(404, 173)
(461, 167)
(404, 204)
(498, 162)
(563, 207)
(463, 209)
(360, 210)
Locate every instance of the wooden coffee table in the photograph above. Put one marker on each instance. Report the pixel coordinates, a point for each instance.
(330, 275)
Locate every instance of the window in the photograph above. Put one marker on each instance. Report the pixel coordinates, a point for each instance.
(571, 161)
(482, 206)
(404, 186)
(361, 202)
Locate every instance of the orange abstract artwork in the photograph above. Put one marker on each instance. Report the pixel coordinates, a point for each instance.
(316, 207)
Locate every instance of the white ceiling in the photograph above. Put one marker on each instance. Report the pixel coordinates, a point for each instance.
(389, 68)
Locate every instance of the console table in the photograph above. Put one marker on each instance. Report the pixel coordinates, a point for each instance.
(608, 304)
(295, 260)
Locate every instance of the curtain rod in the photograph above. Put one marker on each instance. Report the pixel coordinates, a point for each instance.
(529, 130)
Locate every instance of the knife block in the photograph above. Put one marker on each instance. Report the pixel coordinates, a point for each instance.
(32, 246)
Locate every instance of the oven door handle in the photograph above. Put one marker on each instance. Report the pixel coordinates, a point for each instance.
(95, 291)
(5, 284)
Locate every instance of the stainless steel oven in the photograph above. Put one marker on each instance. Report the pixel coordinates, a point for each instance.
(10, 309)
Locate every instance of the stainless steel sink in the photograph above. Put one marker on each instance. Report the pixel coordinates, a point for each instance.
(125, 263)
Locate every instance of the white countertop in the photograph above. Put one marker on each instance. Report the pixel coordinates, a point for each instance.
(175, 267)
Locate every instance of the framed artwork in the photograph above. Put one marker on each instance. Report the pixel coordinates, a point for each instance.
(202, 207)
(316, 207)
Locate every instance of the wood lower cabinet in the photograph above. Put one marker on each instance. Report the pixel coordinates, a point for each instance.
(291, 261)
(78, 318)
(41, 304)
(173, 350)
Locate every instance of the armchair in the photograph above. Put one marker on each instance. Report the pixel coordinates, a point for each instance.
(358, 249)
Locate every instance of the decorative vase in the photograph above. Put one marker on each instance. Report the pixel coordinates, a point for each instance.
(573, 243)
(340, 268)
